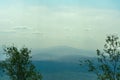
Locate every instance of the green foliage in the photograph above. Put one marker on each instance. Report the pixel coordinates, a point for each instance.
(18, 65)
(108, 61)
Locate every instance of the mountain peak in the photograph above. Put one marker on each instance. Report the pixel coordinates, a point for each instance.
(59, 52)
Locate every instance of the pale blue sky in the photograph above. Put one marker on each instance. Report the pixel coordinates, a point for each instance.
(110, 4)
(81, 24)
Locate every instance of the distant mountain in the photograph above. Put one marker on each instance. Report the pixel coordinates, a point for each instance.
(61, 53)
(62, 63)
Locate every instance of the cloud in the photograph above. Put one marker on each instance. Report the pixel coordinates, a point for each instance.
(7, 31)
(65, 25)
(88, 29)
(38, 33)
(21, 28)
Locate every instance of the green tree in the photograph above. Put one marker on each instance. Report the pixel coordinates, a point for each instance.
(18, 65)
(108, 61)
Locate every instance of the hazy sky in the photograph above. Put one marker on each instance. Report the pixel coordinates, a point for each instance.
(81, 24)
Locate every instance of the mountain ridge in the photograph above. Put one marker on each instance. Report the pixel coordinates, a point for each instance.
(60, 52)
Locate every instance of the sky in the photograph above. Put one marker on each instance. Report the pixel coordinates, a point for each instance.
(39, 24)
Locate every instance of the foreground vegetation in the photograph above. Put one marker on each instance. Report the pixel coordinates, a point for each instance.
(18, 65)
(108, 67)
